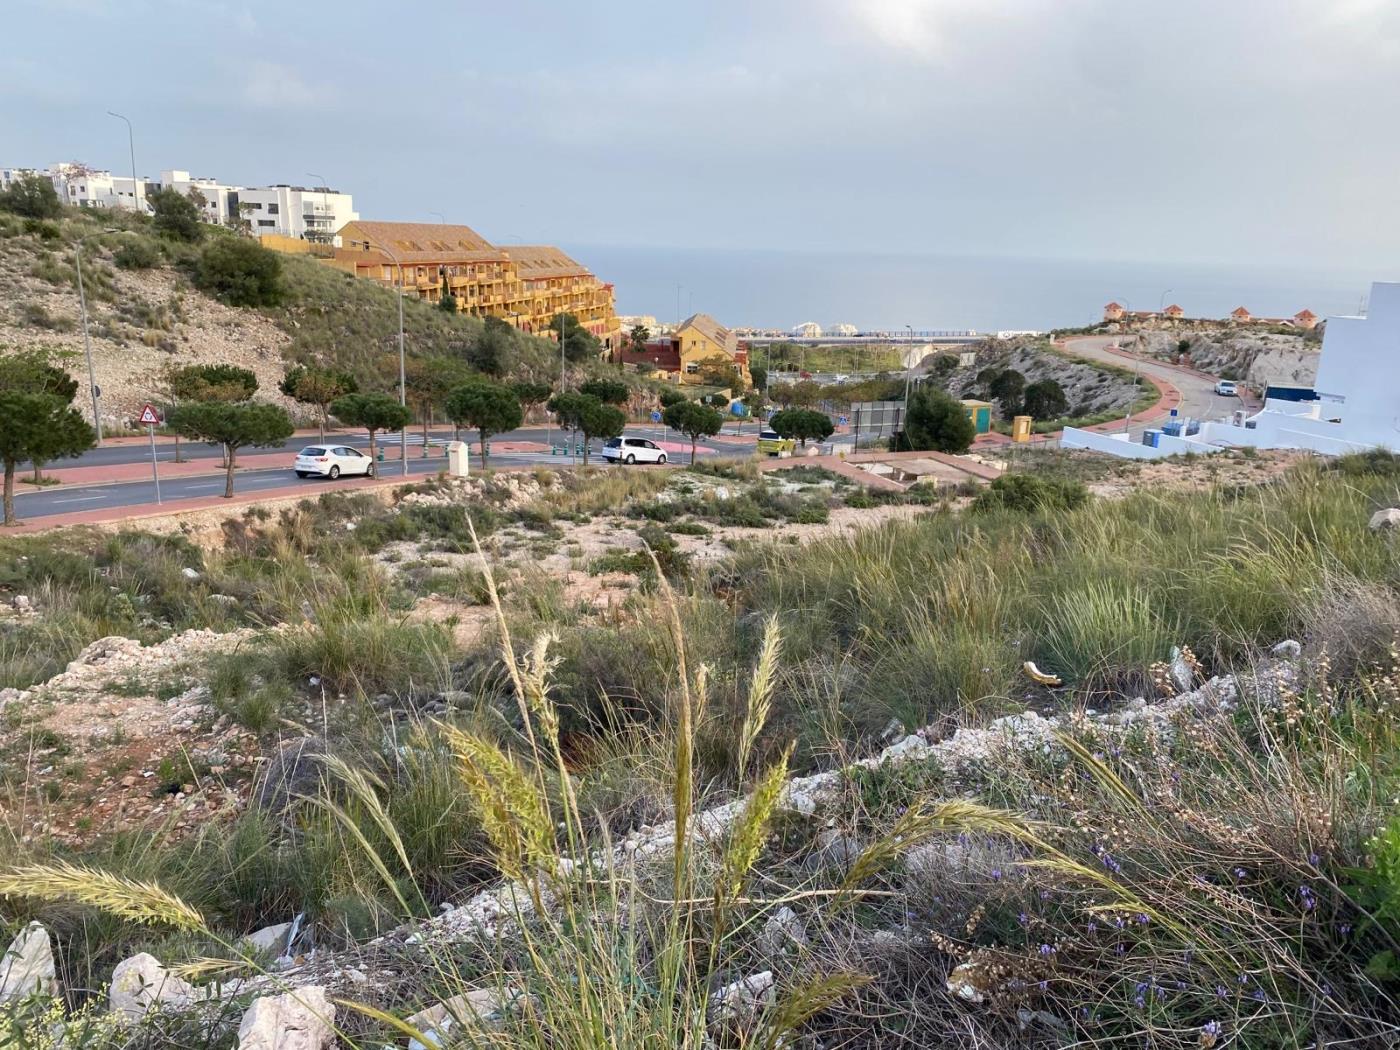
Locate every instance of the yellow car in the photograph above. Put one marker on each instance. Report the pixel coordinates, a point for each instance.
(771, 444)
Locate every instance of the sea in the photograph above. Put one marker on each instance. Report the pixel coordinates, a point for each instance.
(877, 292)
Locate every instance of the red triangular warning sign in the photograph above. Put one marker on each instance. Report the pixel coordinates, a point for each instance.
(149, 415)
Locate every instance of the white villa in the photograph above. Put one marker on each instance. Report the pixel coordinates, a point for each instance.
(1353, 406)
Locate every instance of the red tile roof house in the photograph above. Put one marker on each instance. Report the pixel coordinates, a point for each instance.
(1174, 312)
(1241, 315)
(1113, 312)
(1305, 319)
(662, 355)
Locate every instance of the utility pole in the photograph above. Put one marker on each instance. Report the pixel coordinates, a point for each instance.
(87, 342)
(403, 386)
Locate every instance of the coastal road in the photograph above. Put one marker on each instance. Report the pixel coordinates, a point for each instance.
(1198, 397)
(257, 474)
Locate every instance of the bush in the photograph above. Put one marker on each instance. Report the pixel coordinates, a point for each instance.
(240, 272)
(136, 253)
(1029, 492)
(33, 197)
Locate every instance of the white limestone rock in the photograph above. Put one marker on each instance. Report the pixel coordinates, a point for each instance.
(782, 931)
(27, 966)
(480, 1005)
(141, 985)
(271, 939)
(299, 1020)
(742, 1000)
(1389, 518)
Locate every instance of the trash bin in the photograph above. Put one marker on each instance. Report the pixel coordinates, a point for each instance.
(458, 459)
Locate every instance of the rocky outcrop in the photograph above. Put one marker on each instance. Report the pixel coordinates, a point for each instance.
(509, 490)
(1255, 358)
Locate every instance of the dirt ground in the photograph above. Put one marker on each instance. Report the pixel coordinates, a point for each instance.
(1182, 475)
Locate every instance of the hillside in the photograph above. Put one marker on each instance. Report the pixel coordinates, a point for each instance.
(790, 783)
(1254, 357)
(147, 317)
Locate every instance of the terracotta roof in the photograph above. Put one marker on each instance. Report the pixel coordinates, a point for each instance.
(544, 260)
(421, 242)
(1239, 311)
(1305, 315)
(1173, 309)
(712, 330)
(1113, 306)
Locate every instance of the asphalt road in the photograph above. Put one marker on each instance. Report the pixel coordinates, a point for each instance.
(1198, 397)
(67, 499)
(140, 452)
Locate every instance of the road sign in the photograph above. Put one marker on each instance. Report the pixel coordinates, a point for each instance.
(844, 421)
(655, 417)
(150, 417)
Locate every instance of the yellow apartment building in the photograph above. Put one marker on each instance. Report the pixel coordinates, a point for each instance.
(526, 285)
(702, 340)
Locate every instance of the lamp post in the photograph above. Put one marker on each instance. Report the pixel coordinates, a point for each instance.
(403, 387)
(1162, 300)
(440, 217)
(908, 369)
(131, 146)
(561, 360)
(87, 342)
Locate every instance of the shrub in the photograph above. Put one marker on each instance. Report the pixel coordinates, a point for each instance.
(33, 197)
(240, 272)
(136, 253)
(1030, 492)
(938, 422)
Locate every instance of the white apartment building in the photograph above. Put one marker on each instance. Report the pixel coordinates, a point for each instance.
(300, 212)
(220, 200)
(85, 187)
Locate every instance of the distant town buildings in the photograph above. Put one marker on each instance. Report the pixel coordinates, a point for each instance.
(526, 285)
(808, 330)
(698, 350)
(843, 329)
(298, 213)
(1115, 312)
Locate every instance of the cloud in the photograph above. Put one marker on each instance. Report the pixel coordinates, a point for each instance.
(269, 85)
(924, 29)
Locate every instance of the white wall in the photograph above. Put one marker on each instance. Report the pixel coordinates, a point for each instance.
(285, 210)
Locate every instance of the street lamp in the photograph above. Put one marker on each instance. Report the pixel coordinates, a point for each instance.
(1162, 300)
(908, 369)
(403, 388)
(131, 145)
(441, 217)
(87, 342)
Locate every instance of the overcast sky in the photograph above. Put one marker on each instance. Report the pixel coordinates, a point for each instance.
(1229, 130)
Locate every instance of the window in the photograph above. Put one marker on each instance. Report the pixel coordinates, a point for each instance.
(272, 209)
(267, 222)
(691, 368)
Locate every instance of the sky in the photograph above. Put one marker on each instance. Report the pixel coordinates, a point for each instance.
(1224, 131)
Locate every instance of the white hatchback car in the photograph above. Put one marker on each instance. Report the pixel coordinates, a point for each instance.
(331, 461)
(1226, 388)
(633, 450)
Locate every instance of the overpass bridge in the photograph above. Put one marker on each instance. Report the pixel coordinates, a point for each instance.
(931, 336)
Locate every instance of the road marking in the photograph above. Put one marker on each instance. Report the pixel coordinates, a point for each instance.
(78, 499)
